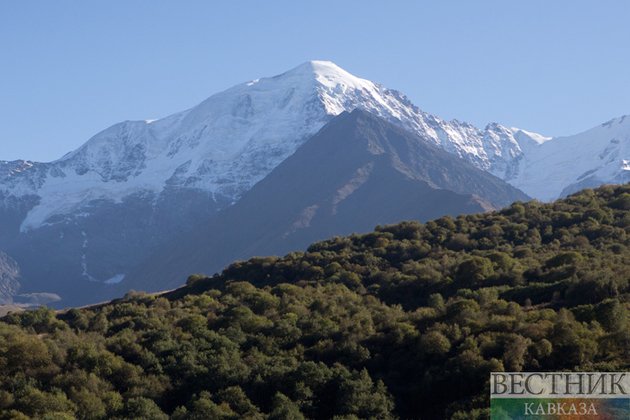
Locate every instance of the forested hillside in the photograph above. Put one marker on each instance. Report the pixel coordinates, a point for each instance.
(407, 321)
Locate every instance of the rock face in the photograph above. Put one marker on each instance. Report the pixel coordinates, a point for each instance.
(9, 278)
(357, 172)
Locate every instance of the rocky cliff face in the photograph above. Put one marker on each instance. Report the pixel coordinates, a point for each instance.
(9, 278)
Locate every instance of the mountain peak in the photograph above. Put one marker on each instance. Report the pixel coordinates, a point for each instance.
(321, 67)
(328, 75)
(318, 66)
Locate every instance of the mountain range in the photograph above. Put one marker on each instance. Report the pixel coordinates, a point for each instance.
(79, 226)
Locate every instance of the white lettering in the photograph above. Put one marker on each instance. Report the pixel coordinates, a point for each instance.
(528, 409)
(560, 409)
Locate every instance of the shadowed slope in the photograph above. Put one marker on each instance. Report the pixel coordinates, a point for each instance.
(357, 172)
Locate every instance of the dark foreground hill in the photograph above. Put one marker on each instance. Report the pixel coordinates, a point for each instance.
(357, 172)
(407, 321)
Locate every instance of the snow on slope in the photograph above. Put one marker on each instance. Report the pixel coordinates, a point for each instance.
(567, 164)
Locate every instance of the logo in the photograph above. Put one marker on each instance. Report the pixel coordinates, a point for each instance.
(559, 395)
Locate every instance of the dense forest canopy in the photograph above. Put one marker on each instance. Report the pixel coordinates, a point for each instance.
(407, 321)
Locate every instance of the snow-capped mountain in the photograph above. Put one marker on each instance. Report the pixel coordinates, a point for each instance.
(226, 144)
(91, 215)
(565, 165)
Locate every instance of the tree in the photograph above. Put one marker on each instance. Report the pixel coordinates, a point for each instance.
(284, 409)
(473, 271)
(140, 408)
(434, 343)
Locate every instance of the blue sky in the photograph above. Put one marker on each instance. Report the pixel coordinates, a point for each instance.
(71, 68)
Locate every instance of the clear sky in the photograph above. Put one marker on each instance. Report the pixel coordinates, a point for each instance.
(71, 68)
